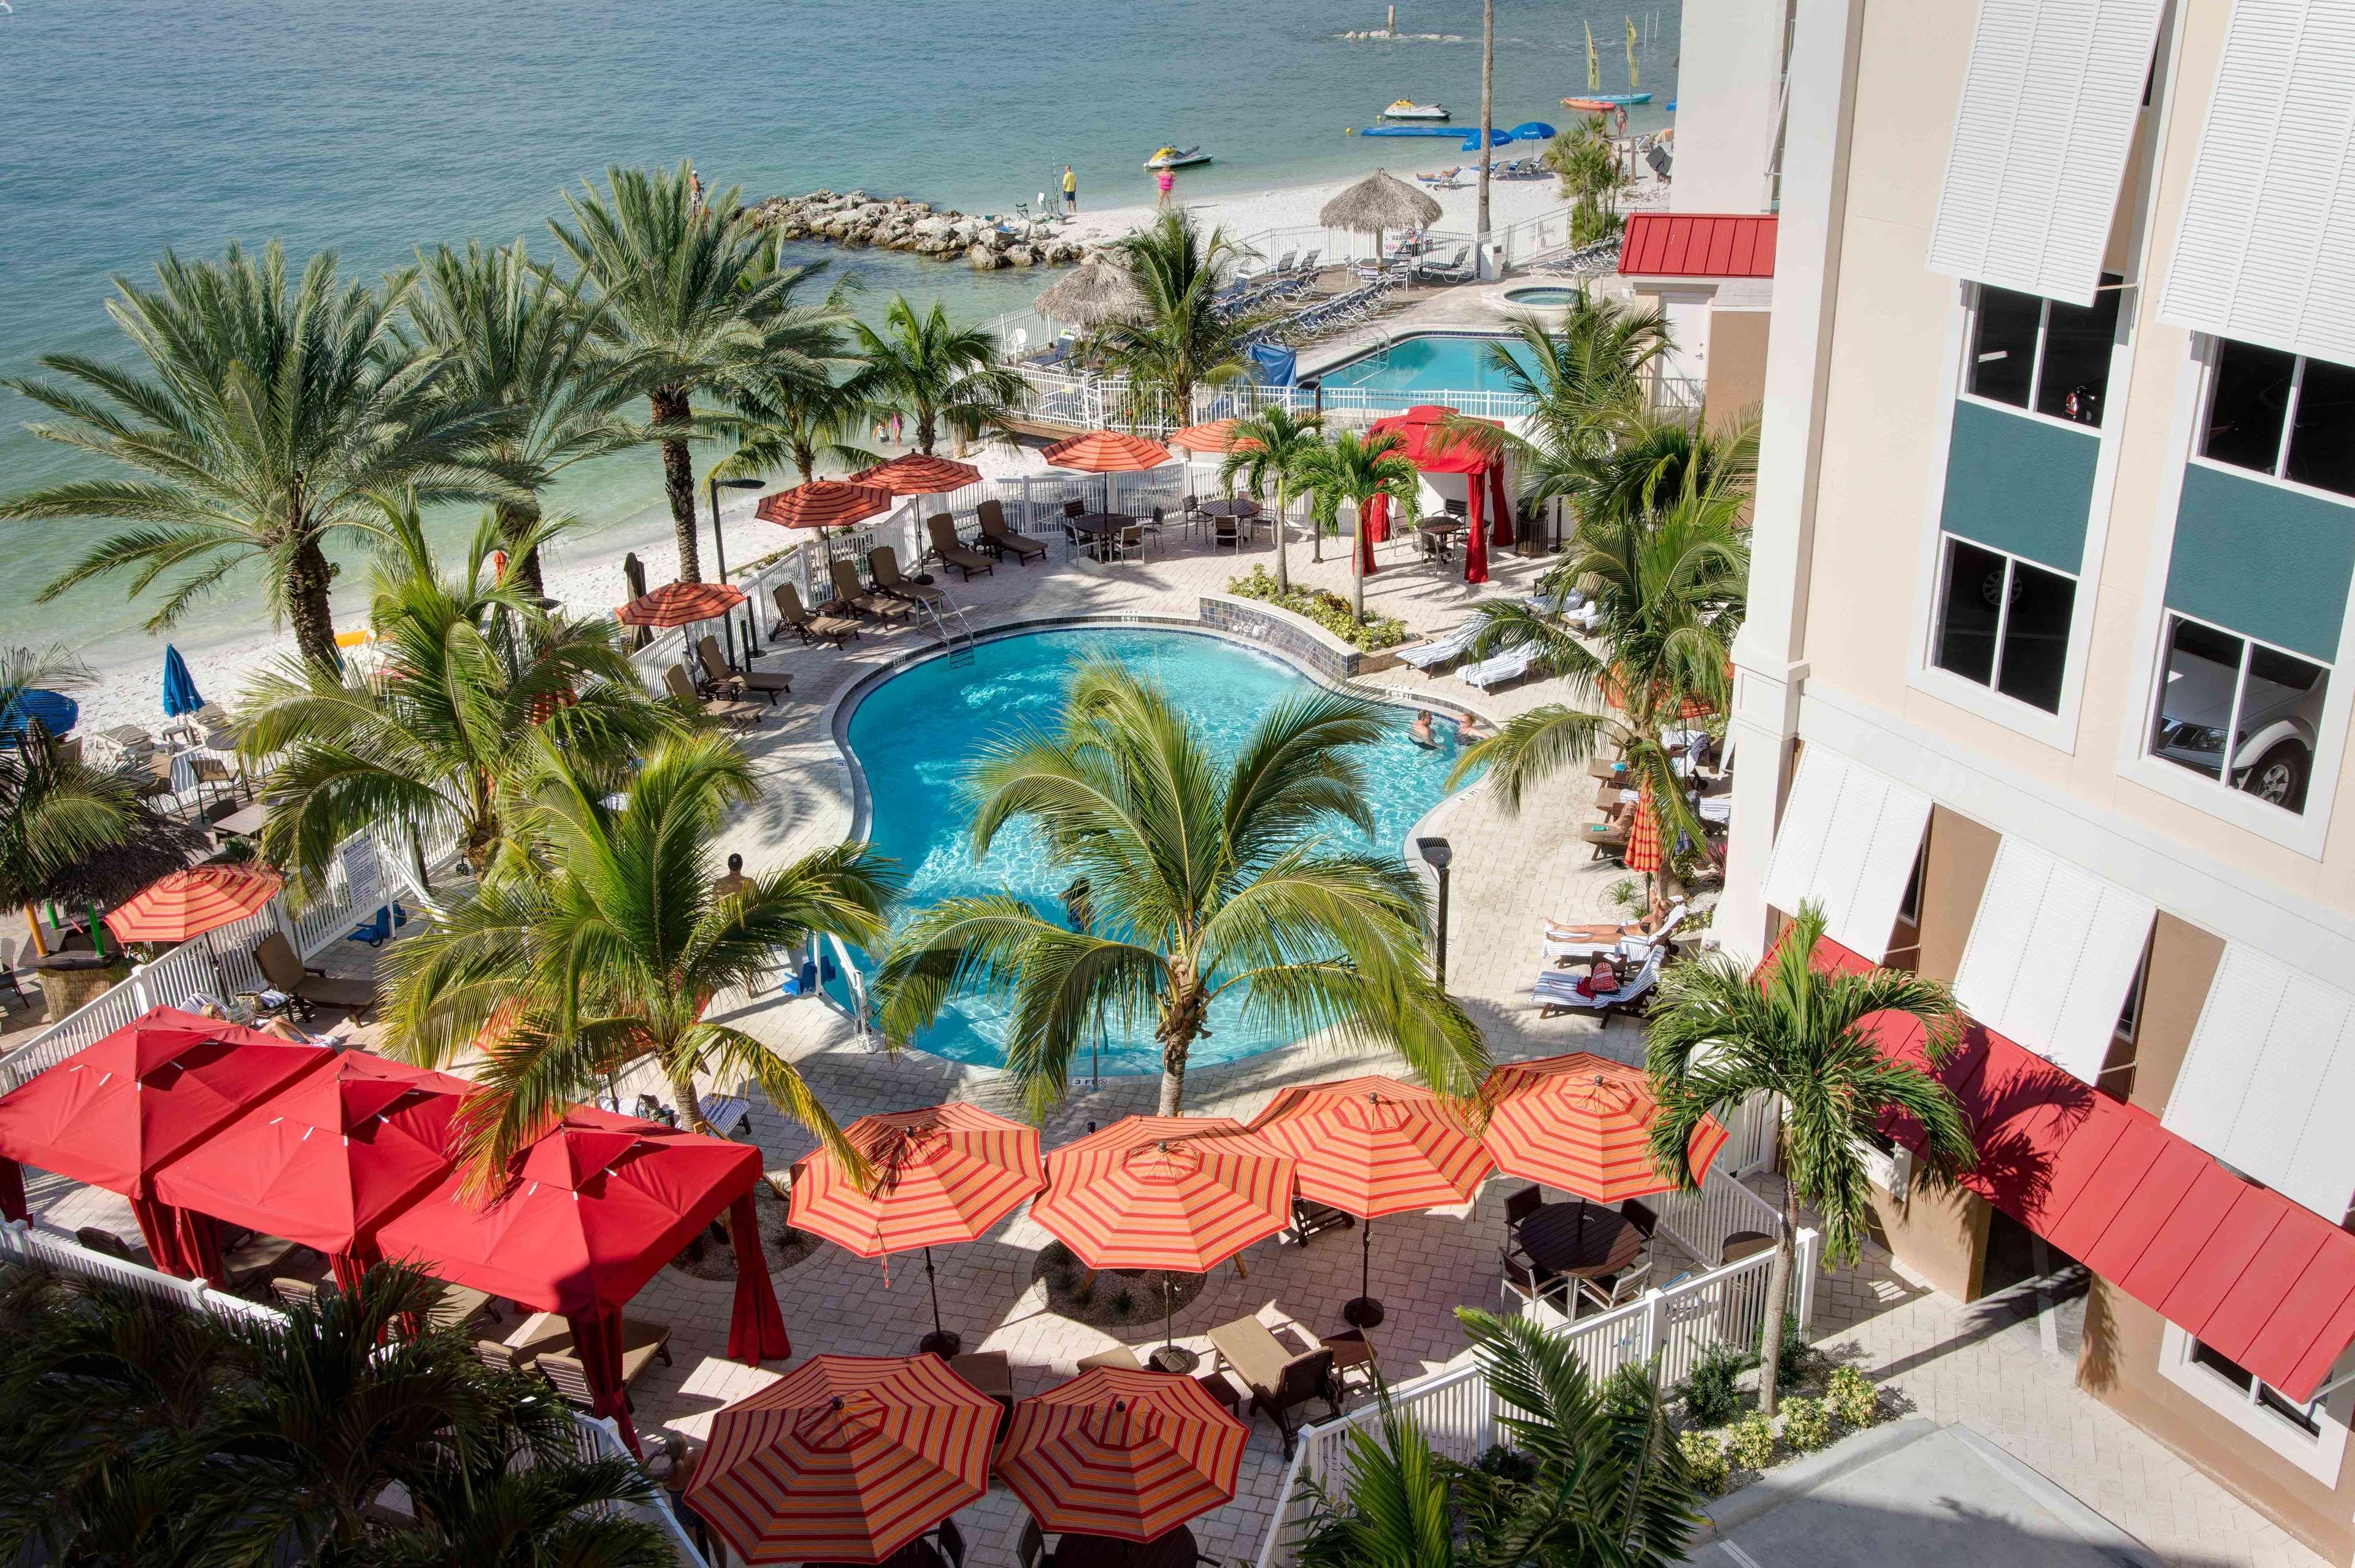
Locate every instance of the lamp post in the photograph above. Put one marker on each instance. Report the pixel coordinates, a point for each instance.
(719, 565)
(1437, 853)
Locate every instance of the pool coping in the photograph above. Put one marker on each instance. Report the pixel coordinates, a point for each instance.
(1369, 350)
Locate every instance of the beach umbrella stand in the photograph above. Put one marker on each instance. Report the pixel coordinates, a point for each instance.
(1364, 1311)
(940, 1343)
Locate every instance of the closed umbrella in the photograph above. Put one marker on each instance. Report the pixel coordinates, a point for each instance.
(1126, 1453)
(180, 693)
(1583, 1123)
(196, 902)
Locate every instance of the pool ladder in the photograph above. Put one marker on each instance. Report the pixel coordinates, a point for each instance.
(950, 626)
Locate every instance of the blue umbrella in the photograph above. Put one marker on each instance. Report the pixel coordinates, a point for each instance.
(180, 693)
(56, 710)
(1496, 138)
(1532, 130)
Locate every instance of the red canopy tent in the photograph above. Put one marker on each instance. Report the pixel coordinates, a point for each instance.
(323, 1163)
(114, 1113)
(594, 1210)
(1428, 443)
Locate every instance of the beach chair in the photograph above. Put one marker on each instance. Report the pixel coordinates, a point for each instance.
(883, 566)
(641, 1343)
(1557, 991)
(997, 537)
(853, 596)
(948, 550)
(792, 612)
(310, 988)
(1451, 643)
(1455, 269)
(726, 710)
(8, 985)
(718, 677)
(1566, 947)
(1281, 1384)
(1491, 672)
(542, 1334)
(1609, 839)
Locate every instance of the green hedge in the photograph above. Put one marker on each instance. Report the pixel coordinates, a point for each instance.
(1329, 611)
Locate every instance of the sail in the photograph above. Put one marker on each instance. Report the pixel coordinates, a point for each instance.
(1632, 83)
(1593, 69)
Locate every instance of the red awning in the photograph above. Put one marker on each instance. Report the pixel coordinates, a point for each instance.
(2248, 1272)
(1697, 245)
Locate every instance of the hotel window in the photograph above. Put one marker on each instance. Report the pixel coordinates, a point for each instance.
(2283, 415)
(2043, 354)
(2219, 684)
(2305, 1418)
(2003, 623)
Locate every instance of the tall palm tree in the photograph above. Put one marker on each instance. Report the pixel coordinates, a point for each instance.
(512, 336)
(695, 294)
(1641, 462)
(610, 940)
(1202, 886)
(1268, 449)
(791, 423)
(1717, 1040)
(1180, 338)
(1355, 468)
(263, 422)
(427, 740)
(1591, 179)
(943, 375)
(1487, 119)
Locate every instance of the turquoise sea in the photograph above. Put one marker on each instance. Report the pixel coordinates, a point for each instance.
(132, 125)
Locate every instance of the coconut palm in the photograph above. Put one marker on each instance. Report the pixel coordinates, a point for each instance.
(791, 423)
(608, 940)
(513, 336)
(1201, 886)
(694, 294)
(1717, 1040)
(1356, 468)
(1642, 462)
(1267, 450)
(1592, 179)
(263, 422)
(1179, 337)
(943, 375)
(425, 742)
(1581, 378)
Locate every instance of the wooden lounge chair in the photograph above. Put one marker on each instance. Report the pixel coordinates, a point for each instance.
(953, 552)
(543, 1333)
(717, 674)
(726, 710)
(641, 1343)
(837, 629)
(1609, 839)
(310, 988)
(996, 536)
(1119, 1356)
(883, 566)
(860, 600)
(1557, 991)
(1281, 1384)
(98, 1240)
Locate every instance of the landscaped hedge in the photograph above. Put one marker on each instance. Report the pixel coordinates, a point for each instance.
(1329, 611)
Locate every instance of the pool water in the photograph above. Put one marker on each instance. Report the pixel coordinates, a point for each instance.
(916, 734)
(1543, 294)
(1427, 362)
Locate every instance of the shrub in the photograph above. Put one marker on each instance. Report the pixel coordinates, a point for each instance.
(1852, 1399)
(1806, 1425)
(1705, 1459)
(1505, 1464)
(1709, 1392)
(1798, 1357)
(1328, 609)
(1750, 1442)
(1123, 1304)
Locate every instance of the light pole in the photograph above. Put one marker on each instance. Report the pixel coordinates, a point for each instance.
(719, 565)
(1438, 852)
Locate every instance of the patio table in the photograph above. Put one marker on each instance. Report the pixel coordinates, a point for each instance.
(1240, 507)
(1099, 527)
(1579, 1238)
(1177, 1548)
(1438, 536)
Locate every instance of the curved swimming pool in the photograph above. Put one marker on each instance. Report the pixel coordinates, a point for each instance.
(916, 734)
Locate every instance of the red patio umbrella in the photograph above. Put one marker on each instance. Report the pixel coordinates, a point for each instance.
(942, 1175)
(1107, 452)
(824, 505)
(115, 1111)
(681, 604)
(1371, 1146)
(1213, 438)
(1120, 1453)
(1581, 1121)
(917, 473)
(324, 1162)
(845, 1460)
(195, 902)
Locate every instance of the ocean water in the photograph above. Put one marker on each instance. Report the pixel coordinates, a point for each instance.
(132, 126)
(916, 735)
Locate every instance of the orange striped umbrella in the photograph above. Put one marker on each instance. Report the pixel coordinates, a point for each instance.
(680, 604)
(188, 903)
(943, 1174)
(1580, 1121)
(823, 504)
(1119, 1453)
(1373, 1147)
(845, 1460)
(1644, 852)
(915, 474)
(1214, 438)
(1107, 452)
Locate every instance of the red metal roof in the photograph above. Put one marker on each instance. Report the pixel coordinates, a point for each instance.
(2249, 1272)
(1697, 245)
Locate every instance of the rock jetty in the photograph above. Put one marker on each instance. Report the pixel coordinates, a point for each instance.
(896, 223)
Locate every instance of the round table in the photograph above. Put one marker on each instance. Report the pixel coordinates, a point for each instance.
(1176, 1549)
(1581, 1239)
(1099, 527)
(1439, 535)
(1240, 507)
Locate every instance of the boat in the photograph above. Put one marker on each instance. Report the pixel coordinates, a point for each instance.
(1407, 109)
(1595, 103)
(1177, 159)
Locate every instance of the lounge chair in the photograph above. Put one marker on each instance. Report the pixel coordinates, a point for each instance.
(9, 985)
(717, 674)
(310, 988)
(543, 1333)
(1557, 991)
(1609, 839)
(1634, 945)
(1451, 643)
(1491, 672)
(726, 710)
(94, 1239)
(953, 551)
(791, 612)
(883, 566)
(852, 595)
(1119, 1356)
(997, 536)
(1455, 269)
(641, 1343)
(1281, 1384)
(1313, 1218)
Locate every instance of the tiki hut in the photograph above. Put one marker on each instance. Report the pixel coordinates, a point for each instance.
(1095, 291)
(1379, 202)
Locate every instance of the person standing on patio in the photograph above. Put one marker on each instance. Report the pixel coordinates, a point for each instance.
(1071, 191)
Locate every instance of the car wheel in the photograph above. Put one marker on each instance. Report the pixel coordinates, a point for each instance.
(2279, 777)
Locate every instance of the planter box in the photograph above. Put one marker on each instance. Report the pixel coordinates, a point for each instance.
(1296, 637)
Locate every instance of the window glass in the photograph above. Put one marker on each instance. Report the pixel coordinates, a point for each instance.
(2003, 353)
(1974, 593)
(2278, 697)
(2036, 637)
(2222, 1366)
(2281, 706)
(2244, 416)
(2195, 702)
(2322, 441)
(2077, 358)
(2298, 1416)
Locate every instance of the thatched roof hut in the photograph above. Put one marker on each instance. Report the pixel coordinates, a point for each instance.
(1096, 291)
(1380, 201)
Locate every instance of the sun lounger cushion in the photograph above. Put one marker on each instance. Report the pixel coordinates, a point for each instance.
(1511, 665)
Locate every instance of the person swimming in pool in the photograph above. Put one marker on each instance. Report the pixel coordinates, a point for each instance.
(1467, 729)
(1419, 732)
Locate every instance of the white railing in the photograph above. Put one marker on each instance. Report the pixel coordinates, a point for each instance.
(1754, 1130)
(1700, 1221)
(597, 1438)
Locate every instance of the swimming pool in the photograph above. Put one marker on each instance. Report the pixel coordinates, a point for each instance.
(1427, 362)
(915, 734)
(1544, 295)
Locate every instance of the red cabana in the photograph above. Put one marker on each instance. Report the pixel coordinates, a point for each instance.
(323, 1163)
(114, 1113)
(1428, 443)
(594, 1211)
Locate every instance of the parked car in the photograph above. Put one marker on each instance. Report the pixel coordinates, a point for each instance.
(2278, 720)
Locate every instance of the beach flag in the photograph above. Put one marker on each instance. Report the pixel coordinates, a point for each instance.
(1593, 67)
(1631, 54)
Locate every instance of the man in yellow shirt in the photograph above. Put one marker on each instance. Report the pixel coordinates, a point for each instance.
(1071, 191)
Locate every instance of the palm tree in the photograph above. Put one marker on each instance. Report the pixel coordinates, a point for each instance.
(1355, 469)
(1717, 1040)
(1487, 119)
(608, 940)
(792, 422)
(512, 336)
(1180, 338)
(1591, 179)
(262, 425)
(695, 295)
(427, 741)
(1641, 462)
(945, 376)
(1202, 887)
(1269, 448)
(1581, 378)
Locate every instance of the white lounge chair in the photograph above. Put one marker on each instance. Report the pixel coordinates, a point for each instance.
(1511, 665)
(1448, 645)
(1557, 991)
(1635, 948)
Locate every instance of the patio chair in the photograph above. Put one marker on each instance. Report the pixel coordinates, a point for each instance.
(8, 972)
(1313, 1218)
(997, 537)
(837, 629)
(1634, 946)
(1228, 532)
(1031, 1548)
(849, 594)
(377, 929)
(1281, 1384)
(1610, 1290)
(641, 1343)
(883, 566)
(543, 1333)
(950, 550)
(1451, 643)
(1128, 541)
(1522, 1280)
(717, 676)
(1557, 991)
(1119, 1356)
(1491, 672)
(726, 710)
(991, 1374)
(950, 1540)
(1520, 1206)
(309, 986)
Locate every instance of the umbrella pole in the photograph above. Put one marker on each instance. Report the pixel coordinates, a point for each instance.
(940, 1341)
(1170, 1358)
(220, 978)
(1365, 1312)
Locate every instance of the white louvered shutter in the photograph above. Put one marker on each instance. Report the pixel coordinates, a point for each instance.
(2047, 116)
(2266, 252)
(1848, 842)
(2053, 954)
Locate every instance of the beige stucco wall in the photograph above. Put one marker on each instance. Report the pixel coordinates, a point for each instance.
(1737, 366)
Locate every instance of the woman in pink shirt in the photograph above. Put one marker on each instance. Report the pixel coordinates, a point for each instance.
(1166, 179)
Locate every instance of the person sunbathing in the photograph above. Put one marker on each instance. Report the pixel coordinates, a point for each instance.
(1556, 931)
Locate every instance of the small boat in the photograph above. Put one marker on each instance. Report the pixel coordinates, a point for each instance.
(1177, 159)
(1603, 100)
(1407, 109)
